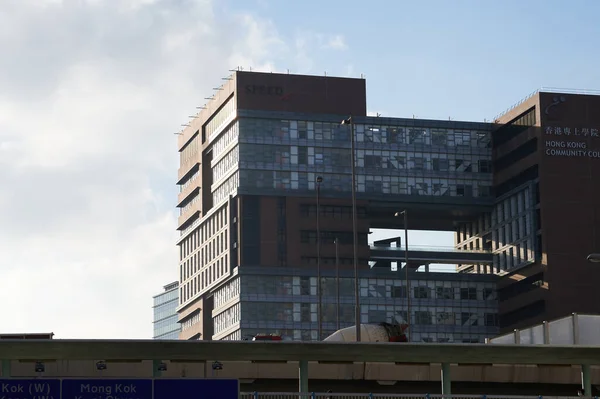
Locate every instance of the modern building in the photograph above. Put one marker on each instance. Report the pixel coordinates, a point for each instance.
(546, 154)
(166, 324)
(268, 149)
(446, 307)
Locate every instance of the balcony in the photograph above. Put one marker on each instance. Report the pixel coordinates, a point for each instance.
(192, 211)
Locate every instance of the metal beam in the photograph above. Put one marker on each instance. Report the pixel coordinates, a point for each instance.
(5, 368)
(303, 376)
(296, 351)
(586, 380)
(446, 380)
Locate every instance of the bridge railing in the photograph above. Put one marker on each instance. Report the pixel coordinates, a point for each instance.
(325, 395)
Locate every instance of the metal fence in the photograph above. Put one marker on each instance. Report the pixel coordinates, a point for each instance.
(325, 395)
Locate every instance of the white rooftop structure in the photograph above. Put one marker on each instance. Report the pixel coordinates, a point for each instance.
(577, 329)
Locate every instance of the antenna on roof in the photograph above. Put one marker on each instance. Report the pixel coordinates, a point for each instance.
(288, 71)
(209, 98)
(362, 75)
(202, 107)
(217, 88)
(178, 133)
(378, 115)
(186, 125)
(325, 73)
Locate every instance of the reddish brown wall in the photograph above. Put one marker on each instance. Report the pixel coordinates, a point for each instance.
(570, 203)
(300, 93)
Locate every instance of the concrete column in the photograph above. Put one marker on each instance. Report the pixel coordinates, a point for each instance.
(303, 376)
(6, 369)
(586, 380)
(446, 390)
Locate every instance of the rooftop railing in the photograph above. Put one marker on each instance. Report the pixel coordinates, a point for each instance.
(558, 90)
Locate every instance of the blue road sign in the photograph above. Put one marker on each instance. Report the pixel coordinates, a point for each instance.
(106, 389)
(187, 388)
(15, 388)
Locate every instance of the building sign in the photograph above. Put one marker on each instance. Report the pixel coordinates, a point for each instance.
(569, 131)
(570, 148)
(264, 90)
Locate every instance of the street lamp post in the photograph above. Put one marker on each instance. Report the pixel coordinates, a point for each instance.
(350, 121)
(319, 180)
(405, 214)
(337, 284)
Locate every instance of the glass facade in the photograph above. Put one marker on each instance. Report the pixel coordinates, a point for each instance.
(165, 305)
(260, 154)
(392, 159)
(444, 307)
(508, 231)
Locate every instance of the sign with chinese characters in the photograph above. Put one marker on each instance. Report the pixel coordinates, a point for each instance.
(570, 131)
(570, 142)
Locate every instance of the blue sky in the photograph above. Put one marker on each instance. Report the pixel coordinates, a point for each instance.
(91, 92)
(468, 60)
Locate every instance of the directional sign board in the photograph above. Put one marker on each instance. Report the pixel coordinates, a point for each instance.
(29, 389)
(106, 389)
(196, 389)
(99, 388)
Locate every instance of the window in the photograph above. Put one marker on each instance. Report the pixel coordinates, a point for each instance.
(484, 190)
(417, 136)
(441, 165)
(421, 292)
(305, 312)
(464, 190)
(491, 319)
(302, 155)
(419, 163)
(468, 319)
(423, 317)
(377, 316)
(444, 293)
(398, 292)
(485, 166)
(468, 293)
(439, 137)
(489, 294)
(445, 318)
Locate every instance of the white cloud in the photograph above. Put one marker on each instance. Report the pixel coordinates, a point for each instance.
(336, 42)
(91, 94)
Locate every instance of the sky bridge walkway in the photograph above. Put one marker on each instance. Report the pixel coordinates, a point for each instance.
(423, 255)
